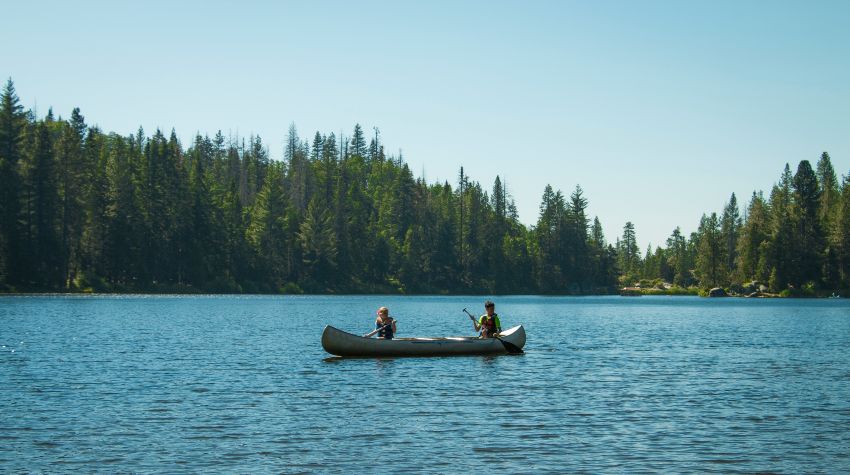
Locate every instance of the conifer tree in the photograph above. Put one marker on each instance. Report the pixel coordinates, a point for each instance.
(577, 227)
(754, 233)
(678, 259)
(267, 230)
(841, 236)
(809, 242)
(358, 143)
(12, 124)
(95, 196)
(711, 258)
(72, 178)
(730, 228)
(781, 249)
(828, 186)
(318, 241)
(629, 254)
(42, 205)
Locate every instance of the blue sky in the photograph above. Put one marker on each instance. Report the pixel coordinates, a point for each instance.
(659, 110)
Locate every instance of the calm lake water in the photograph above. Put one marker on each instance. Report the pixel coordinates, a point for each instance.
(241, 384)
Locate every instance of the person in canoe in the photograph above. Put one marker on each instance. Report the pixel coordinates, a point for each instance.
(488, 324)
(385, 324)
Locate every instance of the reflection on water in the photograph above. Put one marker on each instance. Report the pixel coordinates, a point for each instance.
(241, 384)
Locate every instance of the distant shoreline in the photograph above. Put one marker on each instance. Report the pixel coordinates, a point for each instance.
(630, 293)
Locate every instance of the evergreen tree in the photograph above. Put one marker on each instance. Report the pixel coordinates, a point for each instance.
(629, 254)
(577, 244)
(203, 247)
(781, 252)
(547, 241)
(499, 200)
(72, 179)
(829, 189)
(327, 173)
(678, 259)
(809, 242)
(754, 234)
(358, 143)
(124, 230)
(730, 228)
(318, 242)
(12, 124)
(42, 207)
(95, 196)
(711, 258)
(830, 198)
(841, 235)
(298, 174)
(267, 230)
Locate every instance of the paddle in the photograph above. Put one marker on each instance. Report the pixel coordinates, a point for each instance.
(369, 335)
(512, 349)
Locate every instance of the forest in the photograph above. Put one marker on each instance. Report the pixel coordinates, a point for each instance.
(83, 210)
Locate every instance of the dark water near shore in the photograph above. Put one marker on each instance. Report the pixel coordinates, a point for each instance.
(241, 384)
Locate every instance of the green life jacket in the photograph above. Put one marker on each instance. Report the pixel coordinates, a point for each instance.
(492, 325)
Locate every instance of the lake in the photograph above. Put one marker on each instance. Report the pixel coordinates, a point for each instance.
(183, 384)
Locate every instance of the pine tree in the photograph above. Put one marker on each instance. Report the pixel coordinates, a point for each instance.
(841, 235)
(809, 242)
(546, 233)
(730, 228)
(629, 254)
(95, 196)
(710, 264)
(318, 242)
(781, 260)
(12, 123)
(267, 230)
(298, 174)
(754, 234)
(42, 205)
(124, 231)
(597, 235)
(678, 259)
(358, 143)
(829, 189)
(830, 202)
(499, 201)
(577, 249)
(72, 178)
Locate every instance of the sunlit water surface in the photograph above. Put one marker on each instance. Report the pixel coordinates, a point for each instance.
(241, 384)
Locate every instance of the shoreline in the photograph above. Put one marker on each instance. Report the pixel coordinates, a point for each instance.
(630, 293)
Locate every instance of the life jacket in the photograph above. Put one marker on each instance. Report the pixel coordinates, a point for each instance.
(489, 326)
(387, 332)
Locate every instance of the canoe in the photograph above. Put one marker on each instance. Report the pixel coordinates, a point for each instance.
(340, 343)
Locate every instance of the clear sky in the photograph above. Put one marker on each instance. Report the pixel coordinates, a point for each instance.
(659, 110)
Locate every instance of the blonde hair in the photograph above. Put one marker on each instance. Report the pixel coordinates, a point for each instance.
(383, 310)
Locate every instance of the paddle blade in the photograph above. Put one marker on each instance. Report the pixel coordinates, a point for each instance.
(510, 347)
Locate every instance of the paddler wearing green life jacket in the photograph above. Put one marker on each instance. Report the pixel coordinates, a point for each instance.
(488, 324)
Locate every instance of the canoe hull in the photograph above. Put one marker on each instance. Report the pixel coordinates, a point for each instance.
(340, 343)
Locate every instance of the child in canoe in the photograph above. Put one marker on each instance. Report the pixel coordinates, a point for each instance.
(385, 324)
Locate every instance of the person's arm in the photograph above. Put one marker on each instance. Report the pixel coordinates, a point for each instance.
(476, 324)
(498, 325)
(394, 330)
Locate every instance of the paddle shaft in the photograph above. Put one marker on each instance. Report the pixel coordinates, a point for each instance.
(369, 335)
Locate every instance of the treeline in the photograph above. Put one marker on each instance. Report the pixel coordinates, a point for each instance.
(87, 210)
(794, 242)
(81, 209)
